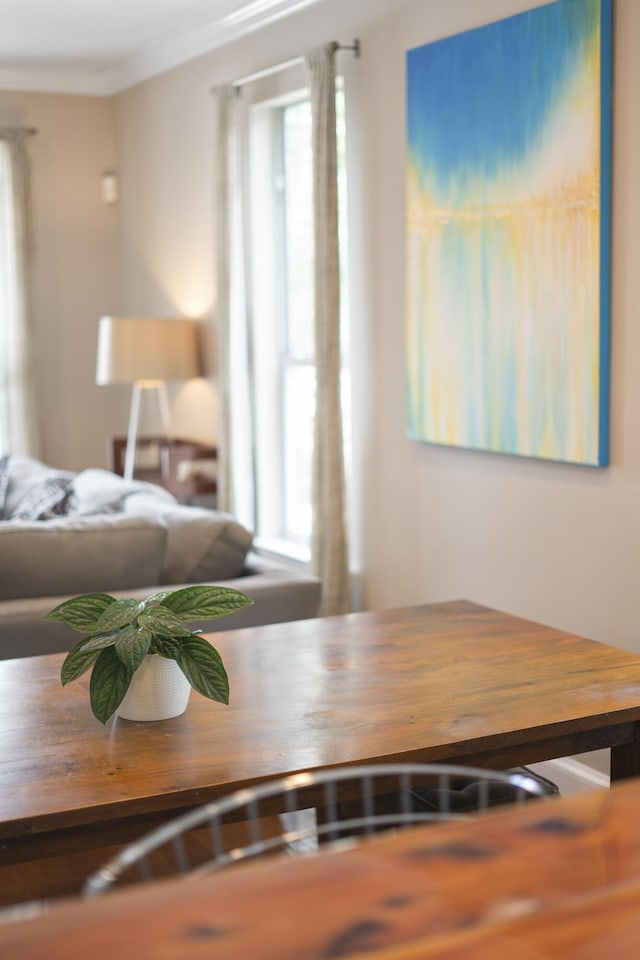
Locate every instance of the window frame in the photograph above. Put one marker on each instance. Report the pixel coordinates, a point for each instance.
(267, 116)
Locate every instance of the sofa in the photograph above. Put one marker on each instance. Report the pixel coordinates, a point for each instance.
(65, 533)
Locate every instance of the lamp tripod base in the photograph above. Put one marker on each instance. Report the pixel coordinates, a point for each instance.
(134, 415)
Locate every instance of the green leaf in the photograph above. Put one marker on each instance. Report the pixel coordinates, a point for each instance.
(155, 599)
(166, 647)
(119, 614)
(163, 623)
(204, 602)
(100, 641)
(77, 662)
(132, 646)
(110, 681)
(202, 666)
(82, 613)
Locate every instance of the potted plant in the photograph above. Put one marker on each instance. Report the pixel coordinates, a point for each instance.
(142, 650)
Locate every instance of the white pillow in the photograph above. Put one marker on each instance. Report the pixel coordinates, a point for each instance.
(99, 491)
(25, 473)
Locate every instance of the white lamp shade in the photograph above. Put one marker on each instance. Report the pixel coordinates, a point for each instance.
(134, 349)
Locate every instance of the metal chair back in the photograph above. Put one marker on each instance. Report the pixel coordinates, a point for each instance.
(308, 811)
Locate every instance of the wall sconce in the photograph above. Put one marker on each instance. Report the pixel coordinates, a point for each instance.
(109, 191)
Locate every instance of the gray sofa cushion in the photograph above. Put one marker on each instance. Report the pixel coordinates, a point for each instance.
(116, 535)
(71, 555)
(202, 545)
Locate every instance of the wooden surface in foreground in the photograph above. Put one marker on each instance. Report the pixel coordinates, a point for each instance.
(558, 878)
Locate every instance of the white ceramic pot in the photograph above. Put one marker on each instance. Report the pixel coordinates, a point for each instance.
(159, 690)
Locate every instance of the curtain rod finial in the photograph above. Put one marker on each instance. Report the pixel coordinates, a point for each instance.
(355, 46)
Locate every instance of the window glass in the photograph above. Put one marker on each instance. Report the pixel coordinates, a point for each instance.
(299, 409)
(284, 316)
(298, 234)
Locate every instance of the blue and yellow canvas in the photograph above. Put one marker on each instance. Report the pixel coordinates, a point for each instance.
(508, 235)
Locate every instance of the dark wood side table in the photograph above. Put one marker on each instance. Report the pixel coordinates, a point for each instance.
(172, 464)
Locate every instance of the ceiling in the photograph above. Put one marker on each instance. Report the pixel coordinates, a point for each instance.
(102, 46)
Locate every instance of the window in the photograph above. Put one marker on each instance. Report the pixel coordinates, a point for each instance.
(283, 310)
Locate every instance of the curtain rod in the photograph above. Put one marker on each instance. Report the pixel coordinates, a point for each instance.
(284, 64)
(31, 131)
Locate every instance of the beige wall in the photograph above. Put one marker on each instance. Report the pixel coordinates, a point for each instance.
(166, 233)
(74, 268)
(557, 543)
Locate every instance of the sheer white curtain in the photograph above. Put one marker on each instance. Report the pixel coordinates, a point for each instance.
(236, 467)
(18, 425)
(329, 532)
(225, 97)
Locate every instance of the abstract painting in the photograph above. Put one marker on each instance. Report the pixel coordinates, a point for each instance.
(508, 235)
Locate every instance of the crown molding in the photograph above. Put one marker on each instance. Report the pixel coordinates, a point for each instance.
(200, 40)
(232, 21)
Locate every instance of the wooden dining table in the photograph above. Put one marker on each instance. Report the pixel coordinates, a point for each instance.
(446, 682)
(555, 879)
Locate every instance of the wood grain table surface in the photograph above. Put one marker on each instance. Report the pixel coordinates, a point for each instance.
(558, 878)
(451, 682)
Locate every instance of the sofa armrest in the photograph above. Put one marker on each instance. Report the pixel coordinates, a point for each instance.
(279, 594)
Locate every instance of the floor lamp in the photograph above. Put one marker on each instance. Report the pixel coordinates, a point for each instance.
(146, 352)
